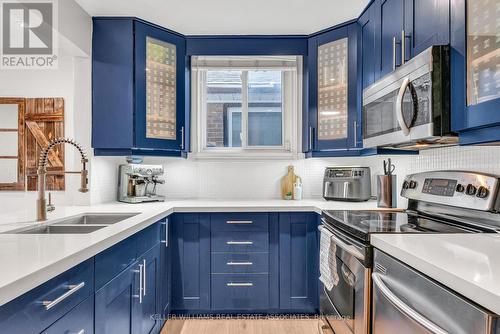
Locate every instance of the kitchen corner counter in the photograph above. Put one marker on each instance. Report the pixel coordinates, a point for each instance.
(466, 263)
(33, 259)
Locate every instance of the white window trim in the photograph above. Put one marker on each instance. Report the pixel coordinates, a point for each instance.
(292, 117)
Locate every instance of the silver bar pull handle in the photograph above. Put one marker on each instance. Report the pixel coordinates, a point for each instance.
(182, 138)
(404, 308)
(231, 263)
(403, 47)
(393, 53)
(355, 133)
(144, 277)
(81, 331)
(239, 243)
(239, 222)
(239, 284)
(140, 283)
(166, 234)
(48, 304)
(310, 138)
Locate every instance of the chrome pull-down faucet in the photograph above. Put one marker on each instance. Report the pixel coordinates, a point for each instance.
(41, 202)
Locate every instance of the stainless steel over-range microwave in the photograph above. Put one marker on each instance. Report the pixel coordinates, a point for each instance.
(410, 107)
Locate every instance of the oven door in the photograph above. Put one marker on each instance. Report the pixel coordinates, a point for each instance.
(346, 306)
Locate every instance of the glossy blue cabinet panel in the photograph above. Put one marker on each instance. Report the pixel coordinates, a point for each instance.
(150, 306)
(80, 320)
(112, 83)
(368, 23)
(233, 292)
(191, 262)
(239, 221)
(352, 138)
(119, 89)
(147, 238)
(240, 263)
(116, 303)
(299, 251)
(241, 241)
(165, 267)
(391, 26)
(27, 314)
(427, 23)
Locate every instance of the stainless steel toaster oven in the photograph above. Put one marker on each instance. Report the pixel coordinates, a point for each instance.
(347, 184)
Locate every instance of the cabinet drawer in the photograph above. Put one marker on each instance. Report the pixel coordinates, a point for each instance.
(37, 309)
(223, 263)
(239, 221)
(243, 241)
(79, 320)
(148, 238)
(240, 292)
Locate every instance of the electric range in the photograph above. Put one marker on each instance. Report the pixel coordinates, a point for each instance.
(438, 202)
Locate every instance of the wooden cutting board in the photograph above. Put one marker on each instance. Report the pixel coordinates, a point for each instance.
(287, 183)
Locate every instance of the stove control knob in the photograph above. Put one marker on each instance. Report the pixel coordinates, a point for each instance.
(413, 184)
(460, 188)
(482, 192)
(406, 185)
(471, 190)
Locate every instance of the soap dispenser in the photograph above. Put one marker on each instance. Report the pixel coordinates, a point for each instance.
(297, 189)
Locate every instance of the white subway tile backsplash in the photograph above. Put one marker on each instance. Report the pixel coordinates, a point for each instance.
(188, 178)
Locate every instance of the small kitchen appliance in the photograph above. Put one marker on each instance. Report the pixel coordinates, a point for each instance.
(137, 183)
(438, 202)
(347, 184)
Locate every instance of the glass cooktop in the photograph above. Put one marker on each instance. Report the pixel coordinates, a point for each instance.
(362, 223)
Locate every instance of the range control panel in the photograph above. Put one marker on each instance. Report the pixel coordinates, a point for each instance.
(464, 189)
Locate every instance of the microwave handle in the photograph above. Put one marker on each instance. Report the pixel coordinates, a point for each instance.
(398, 108)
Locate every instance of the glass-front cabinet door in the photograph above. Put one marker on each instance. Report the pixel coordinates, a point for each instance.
(482, 50)
(160, 89)
(333, 107)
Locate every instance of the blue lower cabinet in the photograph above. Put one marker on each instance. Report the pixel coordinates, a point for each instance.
(190, 262)
(39, 308)
(240, 241)
(117, 302)
(240, 292)
(298, 261)
(80, 320)
(144, 320)
(240, 263)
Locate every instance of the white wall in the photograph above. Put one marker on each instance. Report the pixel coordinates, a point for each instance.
(71, 81)
(260, 179)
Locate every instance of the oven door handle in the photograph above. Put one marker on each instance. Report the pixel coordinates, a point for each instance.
(345, 246)
(404, 308)
(398, 107)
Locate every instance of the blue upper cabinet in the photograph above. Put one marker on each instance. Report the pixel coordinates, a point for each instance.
(139, 77)
(389, 31)
(367, 26)
(334, 91)
(475, 41)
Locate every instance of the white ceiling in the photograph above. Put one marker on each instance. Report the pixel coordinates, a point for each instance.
(233, 17)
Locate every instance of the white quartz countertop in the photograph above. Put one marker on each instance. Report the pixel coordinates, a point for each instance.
(466, 263)
(32, 259)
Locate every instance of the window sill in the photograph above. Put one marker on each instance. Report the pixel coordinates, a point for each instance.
(280, 155)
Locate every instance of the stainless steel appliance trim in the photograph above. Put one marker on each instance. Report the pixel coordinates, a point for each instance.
(421, 132)
(239, 243)
(422, 62)
(345, 245)
(48, 304)
(239, 222)
(398, 107)
(407, 310)
(245, 284)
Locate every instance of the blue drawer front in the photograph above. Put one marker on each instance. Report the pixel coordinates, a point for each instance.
(240, 291)
(227, 263)
(26, 314)
(115, 259)
(244, 241)
(78, 320)
(239, 221)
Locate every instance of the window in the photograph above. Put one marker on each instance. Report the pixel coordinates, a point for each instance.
(245, 106)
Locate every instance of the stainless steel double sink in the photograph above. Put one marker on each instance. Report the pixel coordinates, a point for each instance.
(81, 224)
